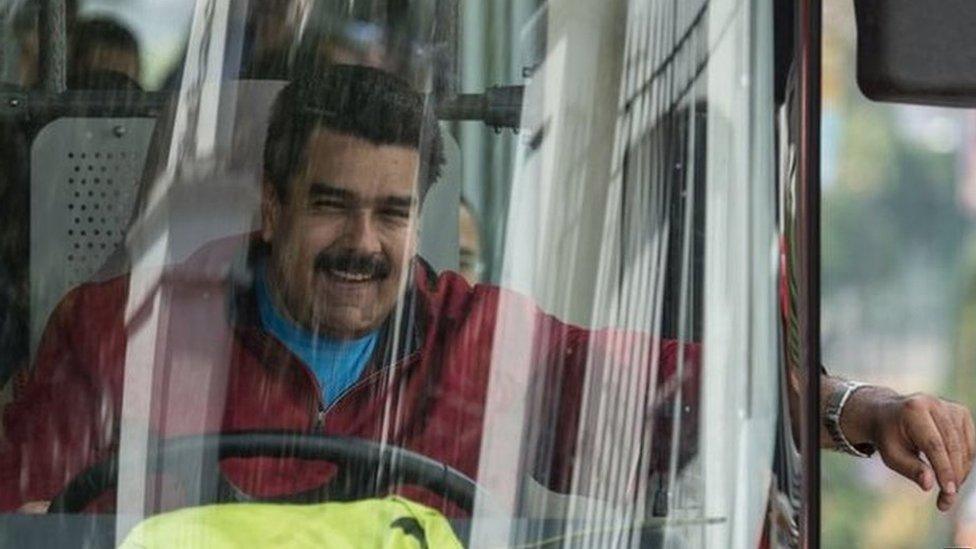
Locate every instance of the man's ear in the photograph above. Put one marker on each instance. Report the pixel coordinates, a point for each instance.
(270, 210)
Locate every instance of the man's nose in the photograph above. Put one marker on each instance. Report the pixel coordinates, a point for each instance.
(360, 232)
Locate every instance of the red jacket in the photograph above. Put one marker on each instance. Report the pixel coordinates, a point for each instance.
(216, 369)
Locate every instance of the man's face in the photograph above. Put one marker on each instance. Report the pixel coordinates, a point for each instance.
(469, 244)
(107, 58)
(343, 239)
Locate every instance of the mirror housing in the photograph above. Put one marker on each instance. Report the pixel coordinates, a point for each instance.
(921, 52)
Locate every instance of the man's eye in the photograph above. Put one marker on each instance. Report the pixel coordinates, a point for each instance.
(328, 204)
(395, 213)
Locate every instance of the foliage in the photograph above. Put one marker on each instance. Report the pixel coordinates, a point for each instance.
(894, 198)
(845, 505)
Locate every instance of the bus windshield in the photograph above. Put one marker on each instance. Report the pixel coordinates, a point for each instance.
(501, 270)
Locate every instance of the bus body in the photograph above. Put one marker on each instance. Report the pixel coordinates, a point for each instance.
(627, 167)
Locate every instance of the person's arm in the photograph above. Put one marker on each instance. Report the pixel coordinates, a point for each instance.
(56, 425)
(903, 429)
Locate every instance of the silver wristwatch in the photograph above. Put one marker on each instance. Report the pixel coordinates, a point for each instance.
(835, 407)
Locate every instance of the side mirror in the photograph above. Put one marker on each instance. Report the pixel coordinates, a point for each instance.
(912, 51)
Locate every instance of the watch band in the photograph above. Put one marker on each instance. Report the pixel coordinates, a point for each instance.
(832, 414)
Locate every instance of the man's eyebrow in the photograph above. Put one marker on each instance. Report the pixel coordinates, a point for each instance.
(317, 189)
(405, 202)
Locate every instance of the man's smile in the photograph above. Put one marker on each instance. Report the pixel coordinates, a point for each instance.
(351, 276)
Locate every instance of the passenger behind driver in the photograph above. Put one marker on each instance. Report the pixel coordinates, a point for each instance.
(338, 328)
(470, 254)
(104, 55)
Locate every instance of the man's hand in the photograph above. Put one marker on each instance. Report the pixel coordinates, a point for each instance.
(906, 428)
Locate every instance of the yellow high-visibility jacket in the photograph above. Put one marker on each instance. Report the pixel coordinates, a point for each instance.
(389, 523)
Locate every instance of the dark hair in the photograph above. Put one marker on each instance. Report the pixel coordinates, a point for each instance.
(360, 101)
(89, 34)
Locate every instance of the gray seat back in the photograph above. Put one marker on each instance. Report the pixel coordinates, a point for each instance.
(83, 177)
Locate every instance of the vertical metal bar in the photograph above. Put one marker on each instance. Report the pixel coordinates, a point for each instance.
(53, 41)
(447, 17)
(809, 59)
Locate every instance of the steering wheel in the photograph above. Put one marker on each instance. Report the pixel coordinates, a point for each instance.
(377, 466)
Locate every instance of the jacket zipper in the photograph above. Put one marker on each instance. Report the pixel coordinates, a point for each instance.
(359, 384)
(350, 389)
(317, 421)
(323, 410)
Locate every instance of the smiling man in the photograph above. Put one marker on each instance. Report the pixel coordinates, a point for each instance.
(337, 327)
(338, 210)
(340, 244)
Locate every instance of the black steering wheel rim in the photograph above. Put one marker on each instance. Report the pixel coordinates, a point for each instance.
(408, 467)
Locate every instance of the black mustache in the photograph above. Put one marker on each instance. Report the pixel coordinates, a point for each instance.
(373, 265)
